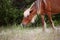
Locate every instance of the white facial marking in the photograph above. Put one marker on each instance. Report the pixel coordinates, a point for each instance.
(26, 13)
(33, 19)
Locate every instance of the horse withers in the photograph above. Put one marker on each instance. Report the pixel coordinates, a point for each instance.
(45, 7)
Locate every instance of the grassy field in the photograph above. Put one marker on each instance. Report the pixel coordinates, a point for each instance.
(29, 33)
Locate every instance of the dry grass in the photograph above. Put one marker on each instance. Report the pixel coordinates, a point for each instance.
(17, 33)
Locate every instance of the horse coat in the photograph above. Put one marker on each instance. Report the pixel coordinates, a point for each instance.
(49, 5)
(43, 7)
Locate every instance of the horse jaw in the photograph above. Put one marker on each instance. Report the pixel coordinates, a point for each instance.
(27, 12)
(33, 19)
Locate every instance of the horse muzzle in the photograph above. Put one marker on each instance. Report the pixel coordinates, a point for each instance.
(23, 24)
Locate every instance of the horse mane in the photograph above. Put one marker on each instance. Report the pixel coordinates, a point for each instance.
(32, 5)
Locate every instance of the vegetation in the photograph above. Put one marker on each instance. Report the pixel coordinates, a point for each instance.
(11, 11)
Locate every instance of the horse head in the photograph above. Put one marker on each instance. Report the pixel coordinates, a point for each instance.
(29, 15)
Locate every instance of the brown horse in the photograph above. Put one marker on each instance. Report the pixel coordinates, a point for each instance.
(43, 7)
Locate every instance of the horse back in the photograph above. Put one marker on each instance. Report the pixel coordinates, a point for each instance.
(54, 4)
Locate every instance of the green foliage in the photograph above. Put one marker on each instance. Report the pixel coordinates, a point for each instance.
(8, 13)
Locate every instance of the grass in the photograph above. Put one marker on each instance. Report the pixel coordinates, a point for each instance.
(16, 32)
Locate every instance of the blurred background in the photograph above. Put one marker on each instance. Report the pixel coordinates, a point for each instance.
(11, 15)
(11, 12)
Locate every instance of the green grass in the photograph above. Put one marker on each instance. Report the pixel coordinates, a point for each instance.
(17, 32)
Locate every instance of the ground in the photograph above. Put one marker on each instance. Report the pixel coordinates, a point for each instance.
(17, 33)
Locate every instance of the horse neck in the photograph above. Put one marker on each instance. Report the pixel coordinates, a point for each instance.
(38, 5)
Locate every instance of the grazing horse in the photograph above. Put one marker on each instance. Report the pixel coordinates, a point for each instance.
(42, 7)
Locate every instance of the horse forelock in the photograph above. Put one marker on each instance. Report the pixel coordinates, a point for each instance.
(27, 12)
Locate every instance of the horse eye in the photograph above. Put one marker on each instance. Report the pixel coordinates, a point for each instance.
(31, 11)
